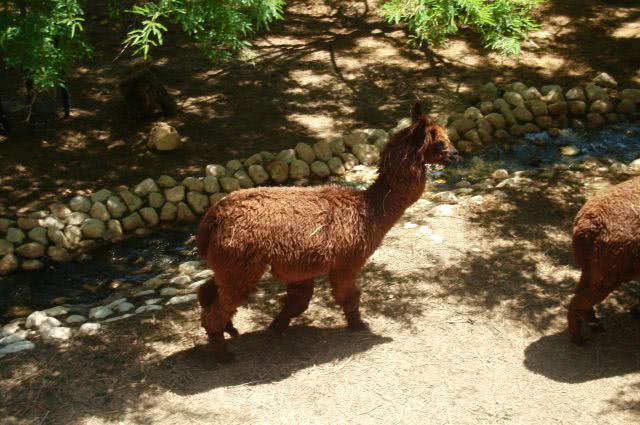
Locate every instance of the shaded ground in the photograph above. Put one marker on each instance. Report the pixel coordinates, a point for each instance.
(466, 329)
(329, 67)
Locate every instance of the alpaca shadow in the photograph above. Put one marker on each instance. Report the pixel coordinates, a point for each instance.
(615, 352)
(261, 358)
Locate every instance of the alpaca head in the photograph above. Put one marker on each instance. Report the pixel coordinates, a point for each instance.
(430, 139)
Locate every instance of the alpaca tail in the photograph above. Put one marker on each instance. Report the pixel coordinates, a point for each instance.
(203, 235)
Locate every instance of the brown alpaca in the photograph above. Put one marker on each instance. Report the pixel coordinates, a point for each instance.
(306, 232)
(606, 245)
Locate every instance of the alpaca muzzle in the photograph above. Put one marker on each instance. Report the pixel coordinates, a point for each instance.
(452, 157)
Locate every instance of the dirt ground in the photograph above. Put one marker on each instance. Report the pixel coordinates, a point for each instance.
(329, 67)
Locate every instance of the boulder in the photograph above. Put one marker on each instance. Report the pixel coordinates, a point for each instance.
(163, 137)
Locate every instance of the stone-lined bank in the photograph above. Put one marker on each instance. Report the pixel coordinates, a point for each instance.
(67, 231)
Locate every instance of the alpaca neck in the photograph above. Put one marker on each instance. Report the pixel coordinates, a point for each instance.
(388, 198)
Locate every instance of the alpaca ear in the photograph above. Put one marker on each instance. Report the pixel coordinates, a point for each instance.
(416, 112)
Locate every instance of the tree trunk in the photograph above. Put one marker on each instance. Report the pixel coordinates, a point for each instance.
(145, 94)
(4, 120)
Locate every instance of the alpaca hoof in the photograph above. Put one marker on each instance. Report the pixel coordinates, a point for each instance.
(578, 340)
(225, 357)
(278, 328)
(231, 330)
(358, 326)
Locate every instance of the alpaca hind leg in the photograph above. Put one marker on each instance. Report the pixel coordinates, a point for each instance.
(207, 296)
(295, 303)
(589, 292)
(347, 295)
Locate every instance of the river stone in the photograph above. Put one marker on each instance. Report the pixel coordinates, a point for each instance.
(243, 179)
(132, 201)
(8, 263)
(336, 167)
(595, 92)
(156, 200)
(486, 107)
(59, 254)
(631, 94)
(299, 169)
(147, 308)
(145, 187)
(531, 93)
(73, 234)
(613, 117)
(605, 80)
(181, 299)
(114, 230)
(496, 120)
(472, 113)
(211, 184)
(601, 106)
(30, 250)
(513, 98)
(445, 197)
(367, 154)
(175, 194)
(150, 216)
(305, 153)
(473, 136)
(229, 184)
(5, 223)
(89, 328)
(132, 222)
(116, 207)
(163, 137)
(321, 169)
(358, 137)
(485, 136)
(168, 292)
(258, 174)
(193, 184)
(544, 121)
(124, 306)
(75, 318)
(184, 213)
(322, 151)
(215, 170)
(93, 228)
(537, 107)
(349, 160)
(506, 111)
(569, 150)
(287, 156)
(80, 203)
(558, 108)
(60, 210)
(253, 160)
(453, 134)
(39, 234)
(168, 212)
(465, 146)
(576, 93)
(100, 312)
(517, 130)
(595, 120)
(27, 223)
(500, 174)
(233, 166)
(13, 338)
(552, 93)
(99, 211)
(166, 182)
(35, 319)
(523, 114)
(577, 108)
(488, 92)
(337, 145)
(626, 106)
(278, 170)
(49, 322)
(198, 202)
(17, 347)
(6, 247)
(462, 125)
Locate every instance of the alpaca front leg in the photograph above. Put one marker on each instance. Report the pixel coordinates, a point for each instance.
(214, 324)
(347, 295)
(295, 303)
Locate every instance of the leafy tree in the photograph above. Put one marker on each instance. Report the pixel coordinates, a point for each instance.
(503, 24)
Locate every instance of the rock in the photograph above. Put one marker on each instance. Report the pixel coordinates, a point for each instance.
(595, 120)
(367, 154)
(544, 121)
(488, 92)
(518, 130)
(13, 338)
(229, 184)
(243, 179)
(463, 125)
(601, 106)
(27, 223)
(147, 308)
(500, 174)
(8, 264)
(453, 134)
(73, 235)
(166, 182)
(175, 194)
(255, 159)
(100, 312)
(132, 222)
(501, 135)
(626, 106)
(101, 195)
(146, 187)
(184, 213)
(215, 170)
(99, 211)
(124, 307)
(531, 93)
(114, 230)
(305, 153)
(632, 95)
(180, 280)
(577, 108)
(497, 121)
(93, 228)
(5, 223)
(59, 254)
(6, 247)
(376, 136)
(193, 184)
(595, 93)
(38, 234)
(576, 93)
(168, 292)
(132, 201)
(336, 167)
(233, 166)
(513, 98)
(473, 136)
(322, 151)
(77, 218)
(181, 299)
(89, 328)
(168, 212)
(30, 265)
(349, 160)
(321, 169)
(537, 107)
(152, 301)
(299, 169)
(278, 170)
(10, 328)
(472, 113)
(190, 267)
(486, 107)
(75, 318)
(60, 210)
(156, 200)
(163, 137)
(445, 197)
(216, 197)
(258, 174)
(116, 207)
(558, 108)
(17, 347)
(211, 184)
(35, 319)
(151, 216)
(605, 80)
(287, 156)
(358, 137)
(465, 147)
(634, 166)
(56, 333)
(523, 114)
(198, 202)
(552, 93)
(569, 150)
(337, 145)
(80, 203)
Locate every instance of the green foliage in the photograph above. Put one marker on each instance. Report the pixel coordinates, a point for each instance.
(42, 39)
(503, 24)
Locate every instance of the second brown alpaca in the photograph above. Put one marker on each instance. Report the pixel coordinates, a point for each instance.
(307, 232)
